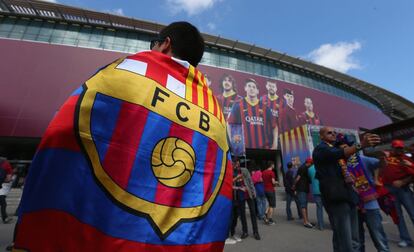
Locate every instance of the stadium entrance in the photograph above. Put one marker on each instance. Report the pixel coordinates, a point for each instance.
(260, 157)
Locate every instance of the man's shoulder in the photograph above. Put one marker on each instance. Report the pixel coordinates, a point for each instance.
(267, 172)
(319, 147)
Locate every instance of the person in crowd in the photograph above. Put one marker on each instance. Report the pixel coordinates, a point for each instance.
(338, 196)
(229, 95)
(260, 193)
(309, 116)
(290, 193)
(269, 181)
(4, 190)
(301, 186)
(245, 193)
(260, 132)
(316, 193)
(109, 177)
(6, 171)
(362, 169)
(411, 150)
(397, 174)
(288, 118)
(236, 212)
(20, 174)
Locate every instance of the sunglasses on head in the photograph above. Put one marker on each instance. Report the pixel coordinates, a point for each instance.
(156, 41)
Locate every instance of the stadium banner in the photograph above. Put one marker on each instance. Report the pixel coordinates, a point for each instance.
(267, 108)
(49, 89)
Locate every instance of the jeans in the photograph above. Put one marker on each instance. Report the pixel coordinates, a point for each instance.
(302, 199)
(404, 196)
(289, 198)
(344, 222)
(372, 218)
(261, 206)
(319, 210)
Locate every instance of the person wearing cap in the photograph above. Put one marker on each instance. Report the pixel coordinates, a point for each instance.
(397, 174)
(301, 186)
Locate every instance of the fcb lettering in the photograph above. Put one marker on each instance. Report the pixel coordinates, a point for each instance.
(204, 119)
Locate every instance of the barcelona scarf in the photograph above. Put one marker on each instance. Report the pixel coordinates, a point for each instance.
(135, 160)
(363, 185)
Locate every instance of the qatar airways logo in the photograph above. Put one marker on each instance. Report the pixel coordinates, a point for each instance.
(254, 120)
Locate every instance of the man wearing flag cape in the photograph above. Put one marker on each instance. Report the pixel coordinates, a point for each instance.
(135, 160)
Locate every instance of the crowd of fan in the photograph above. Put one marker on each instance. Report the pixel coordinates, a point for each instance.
(353, 188)
(384, 182)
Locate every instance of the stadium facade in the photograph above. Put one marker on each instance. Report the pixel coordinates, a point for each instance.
(48, 50)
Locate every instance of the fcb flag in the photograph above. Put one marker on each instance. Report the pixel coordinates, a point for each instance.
(237, 146)
(135, 160)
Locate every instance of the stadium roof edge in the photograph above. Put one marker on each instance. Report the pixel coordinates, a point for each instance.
(391, 104)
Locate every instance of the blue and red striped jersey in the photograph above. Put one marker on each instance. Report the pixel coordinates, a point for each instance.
(257, 123)
(227, 103)
(274, 106)
(288, 119)
(305, 118)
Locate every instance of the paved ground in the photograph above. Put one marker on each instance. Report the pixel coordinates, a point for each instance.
(284, 236)
(291, 236)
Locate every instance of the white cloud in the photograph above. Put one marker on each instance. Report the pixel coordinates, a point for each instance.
(337, 56)
(119, 12)
(211, 26)
(192, 7)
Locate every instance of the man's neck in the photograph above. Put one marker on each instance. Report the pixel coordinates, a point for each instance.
(310, 113)
(227, 93)
(252, 100)
(272, 97)
(328, 143)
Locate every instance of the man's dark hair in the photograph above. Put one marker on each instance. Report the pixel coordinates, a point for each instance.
(289, 165)
(186, 41)
(288, 91)
(248, 80)
(270, 163)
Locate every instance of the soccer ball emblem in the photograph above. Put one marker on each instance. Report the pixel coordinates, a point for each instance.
(173, 162)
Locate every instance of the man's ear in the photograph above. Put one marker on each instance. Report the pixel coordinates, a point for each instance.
(165, 47)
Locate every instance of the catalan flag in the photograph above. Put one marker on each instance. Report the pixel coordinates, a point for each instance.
(135, 160)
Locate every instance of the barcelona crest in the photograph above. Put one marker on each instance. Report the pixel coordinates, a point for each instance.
(154, 152)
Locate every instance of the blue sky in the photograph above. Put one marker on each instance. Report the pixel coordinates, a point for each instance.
(372, 40)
